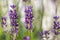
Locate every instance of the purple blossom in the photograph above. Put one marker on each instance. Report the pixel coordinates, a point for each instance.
(56, 17)
(13, 14)
(30, 26)
(56, 25)
(14, 22)
(56, 22)
(13, 18)
(41, 33)
(28, 17)
(26, 38)
(16, 30)
(12, 31)
(4, 22)
(55, 32)
(13, 6)
(26, 20)
(4, 18)
(44, 33)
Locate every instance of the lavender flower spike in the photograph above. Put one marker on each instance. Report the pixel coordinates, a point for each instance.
(56, 26)
(4, 22)
(44, 33)
(28, 17)
(13, 18)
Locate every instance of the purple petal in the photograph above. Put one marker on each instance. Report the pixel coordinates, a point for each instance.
(16, 24)
(3, 23)
(16, 30)
(56, 17)
(29, 7)
(46, 32)
(30, 26)
(40, 33)
(58, 26)
(27, 27)
(55, 23)
(55, 32)
(26, 20)
(3, 18)
(13, 6)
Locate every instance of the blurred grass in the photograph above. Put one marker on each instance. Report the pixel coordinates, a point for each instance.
(0, 20)
(8, 36)
(3, 37)
(0, 31)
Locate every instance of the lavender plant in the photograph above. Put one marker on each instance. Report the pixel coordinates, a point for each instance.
(56, 26)
(13, 18)
(44, 34)
(28, 17)
(4, 22)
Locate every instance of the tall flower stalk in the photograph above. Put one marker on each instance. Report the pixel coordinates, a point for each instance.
(4, 24)
(56, 26)
(3, 21)
(28, 19)
(13, 18)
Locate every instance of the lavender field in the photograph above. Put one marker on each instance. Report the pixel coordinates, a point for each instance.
(29, 19)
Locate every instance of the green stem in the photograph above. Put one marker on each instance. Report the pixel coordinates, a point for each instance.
(8, 37)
